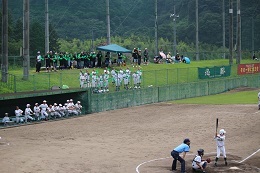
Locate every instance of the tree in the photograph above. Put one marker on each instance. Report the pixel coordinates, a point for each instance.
(37, 40)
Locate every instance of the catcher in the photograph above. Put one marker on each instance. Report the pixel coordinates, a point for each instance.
(198, 164)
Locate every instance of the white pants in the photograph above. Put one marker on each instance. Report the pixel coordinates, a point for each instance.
(44, 114)
(28, 117)
(195, 166)
(223, 150)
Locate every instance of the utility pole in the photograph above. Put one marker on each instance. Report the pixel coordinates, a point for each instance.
(156, 29)
(108, 23)
(230, 32)
(174, 30)
(197, 31)
(238, 33)
(4, 40)
(47, 34)
(253, 36)
(223, 29)
(26, 56)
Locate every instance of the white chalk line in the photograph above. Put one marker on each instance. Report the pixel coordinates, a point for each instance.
(249, 156)
(137, 168)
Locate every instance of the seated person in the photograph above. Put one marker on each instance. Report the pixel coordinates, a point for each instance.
(168, 58)
(6, 119)
(177, 58)
(198, 164)
(186, 60)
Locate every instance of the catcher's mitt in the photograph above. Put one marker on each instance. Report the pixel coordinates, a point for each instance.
(208, 160)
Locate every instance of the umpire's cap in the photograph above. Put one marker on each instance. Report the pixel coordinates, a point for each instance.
(186, 140)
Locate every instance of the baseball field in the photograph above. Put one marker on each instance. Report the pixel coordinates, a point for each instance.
(137, 139)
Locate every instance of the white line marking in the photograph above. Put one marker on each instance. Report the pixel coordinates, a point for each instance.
(249, 156)
(137, 168)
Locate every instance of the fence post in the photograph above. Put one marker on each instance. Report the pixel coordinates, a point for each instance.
(34, 88)
(14, 84)
(49, 81)
(60, 79)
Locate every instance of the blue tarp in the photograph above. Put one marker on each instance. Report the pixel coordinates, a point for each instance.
(114, 48)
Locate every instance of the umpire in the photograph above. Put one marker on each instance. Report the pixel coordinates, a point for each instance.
(182, 148)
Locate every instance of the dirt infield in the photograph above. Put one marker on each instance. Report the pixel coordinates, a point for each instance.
(137, 139)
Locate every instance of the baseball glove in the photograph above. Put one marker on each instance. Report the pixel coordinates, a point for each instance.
(208, 160)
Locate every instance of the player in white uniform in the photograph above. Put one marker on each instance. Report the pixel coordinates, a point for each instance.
(82, 80)
(78, 107)
(37, 110)
(101, 83)
(106, 77)
(44, 106)
(6, 119)
(117, 81)
(113, 75)
(71, 108)
(94, 80)
(139, 79)
(28, 112)
(220, 139)
(126, 80)
(258, 101)
(135, 79)
(18, 113)
(198, 163)
(56, 110)
(62, 110)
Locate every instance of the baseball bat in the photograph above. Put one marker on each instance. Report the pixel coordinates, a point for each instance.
(216, 125)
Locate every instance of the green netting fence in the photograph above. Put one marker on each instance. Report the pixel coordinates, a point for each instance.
(122, 99)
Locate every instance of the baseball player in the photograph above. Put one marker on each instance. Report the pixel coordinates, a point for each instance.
(139, 79)
(28, 112)
(258, 100)
(82, 80)
(71, 108)
(18, 113)
(198, 163)
(220, 139)
(6, 119)
(44, 106)
(37, 110)
(135, 79)
(56, 110)
(78, 107)
(106, 77)
(182, 148)
(62, 110)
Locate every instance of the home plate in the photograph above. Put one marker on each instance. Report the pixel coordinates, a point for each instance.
(234, 168)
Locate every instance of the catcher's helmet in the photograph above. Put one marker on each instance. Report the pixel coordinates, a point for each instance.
(200, 152)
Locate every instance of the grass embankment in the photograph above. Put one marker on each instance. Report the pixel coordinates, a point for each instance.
(242, 97)
(153, 74)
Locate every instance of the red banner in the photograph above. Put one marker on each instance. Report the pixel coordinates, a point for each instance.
(248, 68)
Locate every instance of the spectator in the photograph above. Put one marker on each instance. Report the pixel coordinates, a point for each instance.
(146, 54)
(169, 58)
(38, 62)
(139, 57)
(107, 59)
(119, 59)
(99, 59)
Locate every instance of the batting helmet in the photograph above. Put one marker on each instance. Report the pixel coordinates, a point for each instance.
(222, 131)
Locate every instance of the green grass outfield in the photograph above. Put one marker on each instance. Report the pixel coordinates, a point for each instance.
(231, 97)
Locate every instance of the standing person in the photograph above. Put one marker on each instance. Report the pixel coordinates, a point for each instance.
(220, 139)
(119, 59)
(107, 59)
(182, 148)
(139, 57)
(99, 59)
(38, 62)
(37, 111)
(135, 57)
(18, 113)
(48, 61)
(198, 163)
(146, 56)
(259, 100)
